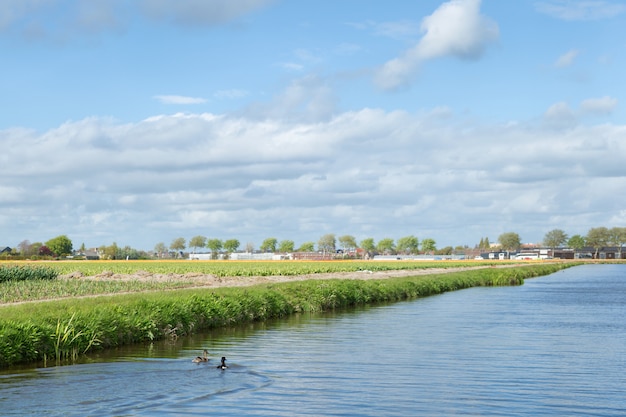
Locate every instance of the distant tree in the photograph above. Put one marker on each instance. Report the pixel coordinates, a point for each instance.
(249, 247)
(60, 245)
(25, 248)
(429, 245)
(408, 245)
(111, 252)
(286, 246)
(444, 251)
(386, 246)
(160, 249)
(43, 250)
(368, 245)
(597, 238)
(617, 237)
(82, 248)
(231, 245)
(347, 242)
(554, 239)
(510, 241)
(486, 243)
(34, 248)
(307, 247)
(215, 245)
(178, 245)
(269, 245)
(327, 243)
(576, 242)
(197, 242)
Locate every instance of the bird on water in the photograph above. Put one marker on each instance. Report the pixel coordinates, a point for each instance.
(223, 364)
(203, 358)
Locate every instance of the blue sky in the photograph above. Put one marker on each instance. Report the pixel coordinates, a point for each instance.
(139, 122)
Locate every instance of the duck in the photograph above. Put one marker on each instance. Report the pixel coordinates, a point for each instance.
(223, 364)
(203, 358)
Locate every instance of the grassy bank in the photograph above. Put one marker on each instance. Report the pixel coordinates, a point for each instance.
(64, 329)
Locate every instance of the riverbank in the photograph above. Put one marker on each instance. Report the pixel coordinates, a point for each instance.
(59, 330)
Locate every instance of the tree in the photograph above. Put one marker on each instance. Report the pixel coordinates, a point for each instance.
(347, 242)
(269, 245)
(386, 246)
(178, 245)
(510, 241)
(429, 245)
(554, 239)
(327, 243)
(43, 250)
(231, 245)
(484, 243)
(160, 249)
(60, 245)
(307, 247)
(25, 248)
(368, 245)
(286, 246)
(444, 251)
(249, 247)
(408, 245)
(111, 252)
(597, 237)
(576, 242)
(617, 237)
(215, 245)
(197, 242)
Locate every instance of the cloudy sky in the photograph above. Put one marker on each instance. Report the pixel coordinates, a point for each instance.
(140, 122)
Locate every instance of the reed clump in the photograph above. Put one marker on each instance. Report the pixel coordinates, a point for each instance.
(65, 329)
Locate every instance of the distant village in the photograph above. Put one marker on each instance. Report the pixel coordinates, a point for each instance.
(526, 252)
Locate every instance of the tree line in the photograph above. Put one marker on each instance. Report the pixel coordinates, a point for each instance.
(61, 246)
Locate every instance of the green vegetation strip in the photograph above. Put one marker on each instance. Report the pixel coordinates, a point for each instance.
(245, 268)
(62, 330)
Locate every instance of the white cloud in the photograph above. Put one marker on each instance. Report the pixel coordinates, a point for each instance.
(172, 99)
(200, 12)
(567, 58)
(61, 20)
(580, 9)
(560, 114)
(456, 28)
(602, 105)
(369, 173)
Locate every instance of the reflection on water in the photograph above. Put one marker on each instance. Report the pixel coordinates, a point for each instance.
(555, 346)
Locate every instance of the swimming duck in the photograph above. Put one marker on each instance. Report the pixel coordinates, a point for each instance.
(223, 364)
(203, 358)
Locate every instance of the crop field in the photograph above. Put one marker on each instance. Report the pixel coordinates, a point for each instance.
(33, 281)
(240, 268)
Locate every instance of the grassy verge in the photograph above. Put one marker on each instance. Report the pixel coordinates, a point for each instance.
(65, 329)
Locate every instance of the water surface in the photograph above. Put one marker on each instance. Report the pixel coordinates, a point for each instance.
(554, 346)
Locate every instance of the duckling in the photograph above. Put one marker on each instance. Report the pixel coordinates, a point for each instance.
(203, 358)
(223, 364)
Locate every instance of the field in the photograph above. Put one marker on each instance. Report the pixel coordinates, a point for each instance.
(89, 278)
(87, 306)
(242, 268)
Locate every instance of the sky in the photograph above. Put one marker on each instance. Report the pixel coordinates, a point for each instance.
(141, 122)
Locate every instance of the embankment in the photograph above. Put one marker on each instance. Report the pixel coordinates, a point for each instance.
(60, 330)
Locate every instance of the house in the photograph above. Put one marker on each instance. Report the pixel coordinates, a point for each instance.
(5, 249)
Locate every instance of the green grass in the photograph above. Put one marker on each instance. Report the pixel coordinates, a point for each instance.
(64, 329)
